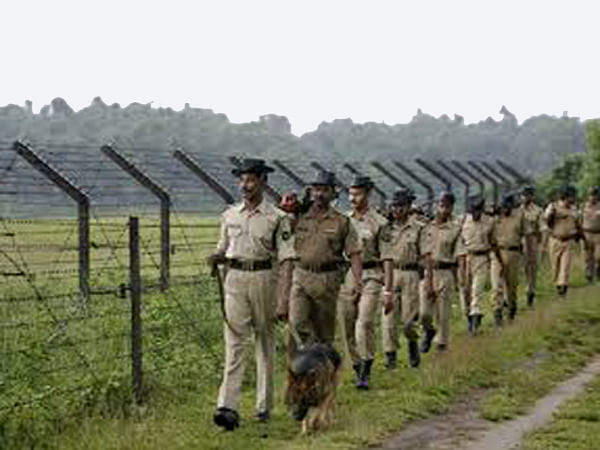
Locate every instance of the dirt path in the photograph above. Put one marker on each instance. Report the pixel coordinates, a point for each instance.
(462, 428)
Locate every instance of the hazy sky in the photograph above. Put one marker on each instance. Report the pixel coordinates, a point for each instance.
(311, 61)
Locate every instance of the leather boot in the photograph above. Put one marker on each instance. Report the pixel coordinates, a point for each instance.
(471, 325)
(427, 339)
(414, 356)
(356, 368)
(531, 299)
(498, 318)
(512, 311)
(390, 360)
(227, 418)
(365, 373)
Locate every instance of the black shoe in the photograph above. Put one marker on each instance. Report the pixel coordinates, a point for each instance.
(263, 416)
(512, 311)
(390, 360)
(441, 347)
(414, 356)
(427, 339)
(531, 299)
(476, 322)
(356, 368)
(498, 318)
(561, 290)
(471, 325)
(365, 373)
(227, 418)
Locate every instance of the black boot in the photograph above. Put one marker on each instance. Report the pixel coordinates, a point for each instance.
(414, 357)
(471, 325)
(498, 318)
(562, 291)
(427, 339)
(227, 418)
(390, 360)
(356, 368)
(476, 322)
(531, 299)
(365, 372)
(512, 311)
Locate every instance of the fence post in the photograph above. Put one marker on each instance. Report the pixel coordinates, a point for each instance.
(83, 210)
(165, 208)
(415, 177)
(289, 173)
(136, 306)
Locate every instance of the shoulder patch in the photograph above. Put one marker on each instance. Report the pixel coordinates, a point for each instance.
(286, 235)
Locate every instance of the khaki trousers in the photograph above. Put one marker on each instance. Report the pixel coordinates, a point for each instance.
(560, 258)
(592, 254)
(313, 306)
(530, 253)
(359, 317)
(250, 306)
(478, 268)
(438, 308)
(505, 287)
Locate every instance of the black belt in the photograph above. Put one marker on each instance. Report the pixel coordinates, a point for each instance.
(249, 266)
(479, 252)
(566, 238)
(591, 231)
(371, 265)
(320, 268)
(408, 267)
(442, 265)
(512, 248)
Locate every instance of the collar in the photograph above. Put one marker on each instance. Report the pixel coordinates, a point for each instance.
(261, 208)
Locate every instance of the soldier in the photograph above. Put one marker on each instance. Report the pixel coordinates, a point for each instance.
(564, 227)
(508, 234)
(323, 236)
(532, 215)
(591, 231)
(400, 245)
(360, 308)
(254, 235)
(477, 236)
(442, 245)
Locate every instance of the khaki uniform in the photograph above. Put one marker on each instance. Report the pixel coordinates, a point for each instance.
(261, 235)
(508, 234)
(591, 232)
(477, 239)
(532, 215)
(562, 233)
(359, 314)
(402, 245)
(320, 244)
(442, 241)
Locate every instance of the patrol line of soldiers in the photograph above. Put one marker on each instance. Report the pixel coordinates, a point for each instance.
(289, 263)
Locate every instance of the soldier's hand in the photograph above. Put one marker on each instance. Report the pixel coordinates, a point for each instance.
(388, 302)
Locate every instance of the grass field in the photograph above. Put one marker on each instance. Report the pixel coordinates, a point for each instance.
(71, 364)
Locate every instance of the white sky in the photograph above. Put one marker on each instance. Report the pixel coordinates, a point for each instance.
(311, 61)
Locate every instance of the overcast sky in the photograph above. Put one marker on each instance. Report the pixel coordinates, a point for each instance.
(311, 61)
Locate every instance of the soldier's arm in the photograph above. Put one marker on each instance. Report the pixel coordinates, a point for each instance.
(285, 255)
(353, 249)
(386, 253)
(218, 256)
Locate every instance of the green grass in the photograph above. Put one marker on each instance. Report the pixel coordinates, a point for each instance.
(183, 362)
(576, 425)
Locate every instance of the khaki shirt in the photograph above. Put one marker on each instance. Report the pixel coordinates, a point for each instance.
(263, 233)
(532, 215)
(509, 230)
(566, 219)
(443, 241)
(401, 243)
(591, 217)
(368, 228)
(478, 236)
(325, 239)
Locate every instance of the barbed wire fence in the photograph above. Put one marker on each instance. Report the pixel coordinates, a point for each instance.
(104, 284)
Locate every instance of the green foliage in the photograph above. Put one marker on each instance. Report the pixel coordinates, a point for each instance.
(590, 175)
(569, 172)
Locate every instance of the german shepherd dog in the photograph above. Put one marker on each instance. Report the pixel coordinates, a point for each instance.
(313, 377)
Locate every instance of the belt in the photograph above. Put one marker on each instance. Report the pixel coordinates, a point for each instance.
(565, 238)
(320, 268)
(442, 265)
(408, 267)
(591, 231)
(512, 248)
(250, 266)
(479, 252)
(371, 265)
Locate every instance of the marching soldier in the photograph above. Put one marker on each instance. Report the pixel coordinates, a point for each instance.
(478, 239)
(401, 256)
(254, 236)
(322, 237)
(532, 215)
(564, 227)
(508, 234)
(360, 307)
(442, 244)
(591, 231)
